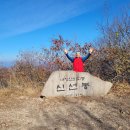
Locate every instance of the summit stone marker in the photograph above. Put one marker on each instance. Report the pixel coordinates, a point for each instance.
(70, 83)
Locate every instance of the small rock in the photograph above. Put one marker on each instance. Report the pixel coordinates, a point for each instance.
(120, 128)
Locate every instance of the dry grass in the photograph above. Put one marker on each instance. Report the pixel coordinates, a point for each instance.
(13, 93)
(121, 89)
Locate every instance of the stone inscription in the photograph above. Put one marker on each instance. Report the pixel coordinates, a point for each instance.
(71, 85)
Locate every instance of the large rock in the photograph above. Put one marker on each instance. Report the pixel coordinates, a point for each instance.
(70, 83)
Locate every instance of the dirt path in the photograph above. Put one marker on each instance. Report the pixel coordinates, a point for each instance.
(81, 113)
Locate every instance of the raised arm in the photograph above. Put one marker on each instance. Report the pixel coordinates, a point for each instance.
(88, 55)
(70, 58)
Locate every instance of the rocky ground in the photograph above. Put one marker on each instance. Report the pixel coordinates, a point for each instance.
(111, 112)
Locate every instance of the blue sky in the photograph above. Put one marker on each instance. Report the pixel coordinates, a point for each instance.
(31, 24)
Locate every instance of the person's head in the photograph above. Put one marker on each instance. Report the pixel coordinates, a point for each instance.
(77, 54)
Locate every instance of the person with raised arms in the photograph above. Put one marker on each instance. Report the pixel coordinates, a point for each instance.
(78, 61)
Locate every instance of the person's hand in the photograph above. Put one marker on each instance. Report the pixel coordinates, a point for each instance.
(65, 51)
(91, 50)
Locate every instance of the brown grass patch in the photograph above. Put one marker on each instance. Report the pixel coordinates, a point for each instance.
(121, 89)
(13, 93)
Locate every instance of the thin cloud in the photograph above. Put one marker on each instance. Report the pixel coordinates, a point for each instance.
(20, 16)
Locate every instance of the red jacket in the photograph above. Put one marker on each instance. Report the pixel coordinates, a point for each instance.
(78, 64)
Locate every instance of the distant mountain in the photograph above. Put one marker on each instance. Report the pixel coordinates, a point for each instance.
(7, 63)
